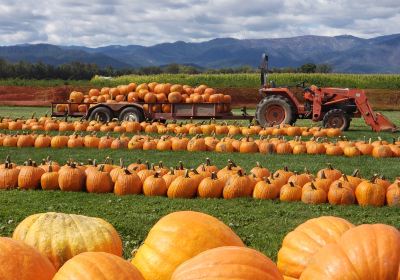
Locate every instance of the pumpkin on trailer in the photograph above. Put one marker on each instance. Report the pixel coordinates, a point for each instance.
(61, 236)
(182, 235)
(228, 263)
(299, 245)
(97, 265)
(21, 261)
(364, 252)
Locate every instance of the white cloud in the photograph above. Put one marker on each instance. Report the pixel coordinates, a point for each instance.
(105, 22)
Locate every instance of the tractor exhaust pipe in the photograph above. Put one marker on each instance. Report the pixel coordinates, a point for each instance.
(264, 69)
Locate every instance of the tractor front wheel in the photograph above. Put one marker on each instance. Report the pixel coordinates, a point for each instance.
(336, 118)
(274, 110)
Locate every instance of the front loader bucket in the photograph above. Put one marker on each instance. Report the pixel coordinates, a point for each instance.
(384, 124)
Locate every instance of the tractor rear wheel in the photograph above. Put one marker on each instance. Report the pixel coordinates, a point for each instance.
(336, 118)
(275, 109)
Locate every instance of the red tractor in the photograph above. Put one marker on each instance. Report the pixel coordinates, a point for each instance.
(335, 107)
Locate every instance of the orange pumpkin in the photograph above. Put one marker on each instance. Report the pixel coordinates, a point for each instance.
(228, 263)
(21, 261)
(186, 234)
(354, 256)
(301, 244)
(97, 265)
(128, 183)
(210, 187)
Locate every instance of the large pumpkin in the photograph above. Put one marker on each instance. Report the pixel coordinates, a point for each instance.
(228, 263)
(178, 237)
(22, 262)
(97, 265)
(303, 242)
(365, 252)
(62, 236)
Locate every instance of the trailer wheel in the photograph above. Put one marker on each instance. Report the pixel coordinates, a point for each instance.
(102, 114)
(275, 109)
(131, 114)
(336, 118)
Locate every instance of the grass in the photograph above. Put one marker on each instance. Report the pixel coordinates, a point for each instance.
(261, 224)
(251, 80)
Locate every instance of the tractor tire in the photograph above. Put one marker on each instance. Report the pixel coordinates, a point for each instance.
(102, 114)
(274, 110)
(131, 114)
(336, 118)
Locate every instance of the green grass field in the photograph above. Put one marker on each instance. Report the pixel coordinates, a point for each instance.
(261, 224)
(365, 81)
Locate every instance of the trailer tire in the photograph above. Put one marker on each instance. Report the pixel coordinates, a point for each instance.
(131, 114)
(336, 118)
(275, 109)
(103, 114)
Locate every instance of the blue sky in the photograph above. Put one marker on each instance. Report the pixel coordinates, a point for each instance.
(125, 22)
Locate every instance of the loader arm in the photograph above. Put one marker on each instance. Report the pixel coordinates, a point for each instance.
(376, 121)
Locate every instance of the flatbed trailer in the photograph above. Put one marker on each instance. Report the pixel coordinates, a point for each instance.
(126, 111)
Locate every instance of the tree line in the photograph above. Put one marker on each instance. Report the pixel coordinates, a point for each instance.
(85, 71)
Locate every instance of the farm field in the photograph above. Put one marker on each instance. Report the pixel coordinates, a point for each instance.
(250, 80)
(261, 224)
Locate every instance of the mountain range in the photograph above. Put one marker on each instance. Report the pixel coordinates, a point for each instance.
(347, 54)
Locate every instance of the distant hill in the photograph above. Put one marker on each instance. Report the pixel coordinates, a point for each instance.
(344, 53)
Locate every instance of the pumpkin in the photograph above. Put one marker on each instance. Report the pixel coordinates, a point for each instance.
(393, 194)
(290, 192)
(369, 193)
(154, 185)
(313, 195)
(8, 176)
(266, 189)
(61, 236)
(99, 181)
(341, 193)
(196, 144)
(248, 146)
(169, 177)
(364, 252)
(382, 151)
(330, 173)
(183, 187)
(306, 240)
(128, 183)
(97, 265)
(259, 171)
(71, 178)
(49, 180)
(227, 263)
(237, 186)
(29, 176)
(177, 238)
(210, 187)
(21, 261)
(300, 179)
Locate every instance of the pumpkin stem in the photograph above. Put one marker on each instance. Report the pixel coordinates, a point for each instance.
(291, 184)
(258, 164)
(101, 168)
(157, 174)
(240, 173)
(356, 173)
(313, 186)
(323, 176)
(330, 166)
(50, 166)
(208, 161)
(181, 165)
(286, 168)
(344, 176)
(171, 171)
(214, 176)
(187, 173)
(194, 171)
(339, 185)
